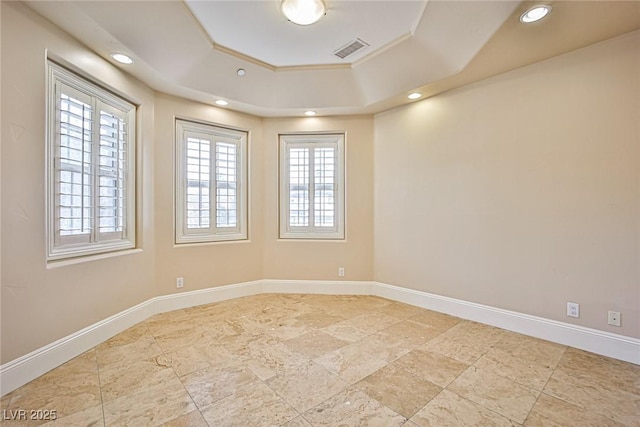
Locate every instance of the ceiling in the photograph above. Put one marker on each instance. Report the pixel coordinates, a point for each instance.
(193, 48)
(258, 29)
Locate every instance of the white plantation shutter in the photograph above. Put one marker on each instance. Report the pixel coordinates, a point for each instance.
(73, 168)
(312, 186)
(211, 185)
(324, 201)
(299, 187)
(90, 168)
(198, 204)
(112, 172)
(226, 185)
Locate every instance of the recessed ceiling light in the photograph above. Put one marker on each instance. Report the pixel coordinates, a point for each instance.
(221, 102)
(241, 72)
(310, 113)
(122, 58)
(414, 95)
(535, 13)
(303, 12)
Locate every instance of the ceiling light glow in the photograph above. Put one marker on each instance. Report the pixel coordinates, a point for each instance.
(414, 95)
(535, 13)
(122, 58)
(310, 113)
(221, 102)
(303, 12)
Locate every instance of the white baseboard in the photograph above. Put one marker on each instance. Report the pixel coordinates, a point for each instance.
(180, 300)
(24, 369)
(27, 368)
(600, 342)
(326, 287)
(30, 366)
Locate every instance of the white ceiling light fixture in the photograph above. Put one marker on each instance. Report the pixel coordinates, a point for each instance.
(414, 95)
(122, 58)
(303, 12)
(535, 13)
(222, 102)
(310, 113)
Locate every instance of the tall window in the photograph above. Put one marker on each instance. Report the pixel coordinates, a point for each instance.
(312, 186)
(211, 183)
(90, 168)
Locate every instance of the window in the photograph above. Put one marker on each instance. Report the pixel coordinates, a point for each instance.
(211, 183)
(90, 168)
(312, 186)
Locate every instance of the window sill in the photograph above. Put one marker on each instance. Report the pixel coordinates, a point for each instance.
(213, 242)
(88, 258)
(313, 239)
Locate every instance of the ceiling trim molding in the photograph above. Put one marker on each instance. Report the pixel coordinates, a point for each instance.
(313, 67)
(243, 57)
(271, 67)
(197, 22)
(382, 49)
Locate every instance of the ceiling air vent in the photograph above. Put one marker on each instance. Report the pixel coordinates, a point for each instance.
(350, 48)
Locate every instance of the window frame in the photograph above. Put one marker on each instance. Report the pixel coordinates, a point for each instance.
(61, 80)
(337, 141)
(214, 233)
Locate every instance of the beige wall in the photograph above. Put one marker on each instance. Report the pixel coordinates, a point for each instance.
(211, 264)
(520, 192)
(471, 200)
(320, 260)
(40, 304)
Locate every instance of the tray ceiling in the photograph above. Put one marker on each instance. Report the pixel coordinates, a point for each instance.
(194, 48)
(259, 30)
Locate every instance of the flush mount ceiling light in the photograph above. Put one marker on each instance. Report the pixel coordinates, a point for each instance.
(310, 113)
(122, 58)
(535, 13)
(414, 95)
(241, 72)
(303, 12)
(221, 102)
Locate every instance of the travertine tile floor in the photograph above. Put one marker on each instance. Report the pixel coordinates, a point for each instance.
(318, 360)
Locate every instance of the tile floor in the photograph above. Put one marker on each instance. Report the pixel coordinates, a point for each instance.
(319, 360)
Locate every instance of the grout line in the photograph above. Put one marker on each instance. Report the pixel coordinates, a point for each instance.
(104, 418)
(553, 371)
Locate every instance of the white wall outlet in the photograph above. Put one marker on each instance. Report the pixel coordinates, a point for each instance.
(179, 282)
(573, 309)
(614, 318)
(341, 272)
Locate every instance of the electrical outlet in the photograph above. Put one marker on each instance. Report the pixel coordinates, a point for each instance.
(614, 318)
(573, 309)
(341, 272)
(179, 282)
